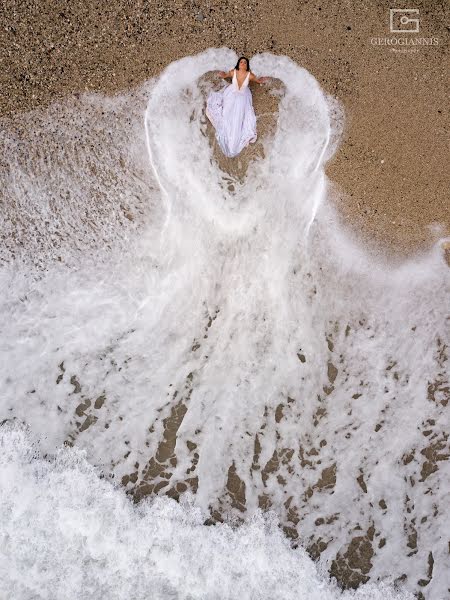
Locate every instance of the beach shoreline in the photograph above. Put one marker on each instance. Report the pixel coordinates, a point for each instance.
(389, 173)
(191, 337)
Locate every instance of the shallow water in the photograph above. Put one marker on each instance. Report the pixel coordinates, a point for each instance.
(89, 541)
(197, 332)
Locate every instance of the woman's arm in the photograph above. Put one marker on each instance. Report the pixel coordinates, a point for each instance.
(258, 79)
(224, 75)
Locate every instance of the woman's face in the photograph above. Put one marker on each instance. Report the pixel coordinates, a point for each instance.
(243, 64)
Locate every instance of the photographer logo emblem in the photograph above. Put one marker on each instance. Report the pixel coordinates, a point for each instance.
(401, 21)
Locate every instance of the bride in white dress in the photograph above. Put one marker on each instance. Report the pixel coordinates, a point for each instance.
(231, 110)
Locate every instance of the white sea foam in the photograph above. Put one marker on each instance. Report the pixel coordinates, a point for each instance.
(67, 533)
(131, 272)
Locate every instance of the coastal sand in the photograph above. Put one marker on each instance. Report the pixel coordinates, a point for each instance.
(390, 173)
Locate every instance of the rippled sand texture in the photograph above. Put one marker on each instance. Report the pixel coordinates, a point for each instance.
(202, 326)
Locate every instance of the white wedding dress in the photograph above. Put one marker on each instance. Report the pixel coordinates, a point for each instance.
(232, 115)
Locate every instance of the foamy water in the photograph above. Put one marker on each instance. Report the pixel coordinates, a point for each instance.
(229, 342)
(68, 533)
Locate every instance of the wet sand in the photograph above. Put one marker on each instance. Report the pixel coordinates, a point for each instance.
(391, 171)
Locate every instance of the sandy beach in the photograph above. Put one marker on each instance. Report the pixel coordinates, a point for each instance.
(390, 172)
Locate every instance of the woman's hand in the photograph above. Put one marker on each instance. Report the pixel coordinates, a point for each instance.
(263, 79)
(222, 74)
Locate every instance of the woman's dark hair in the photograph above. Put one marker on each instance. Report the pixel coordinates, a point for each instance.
(239, 60)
